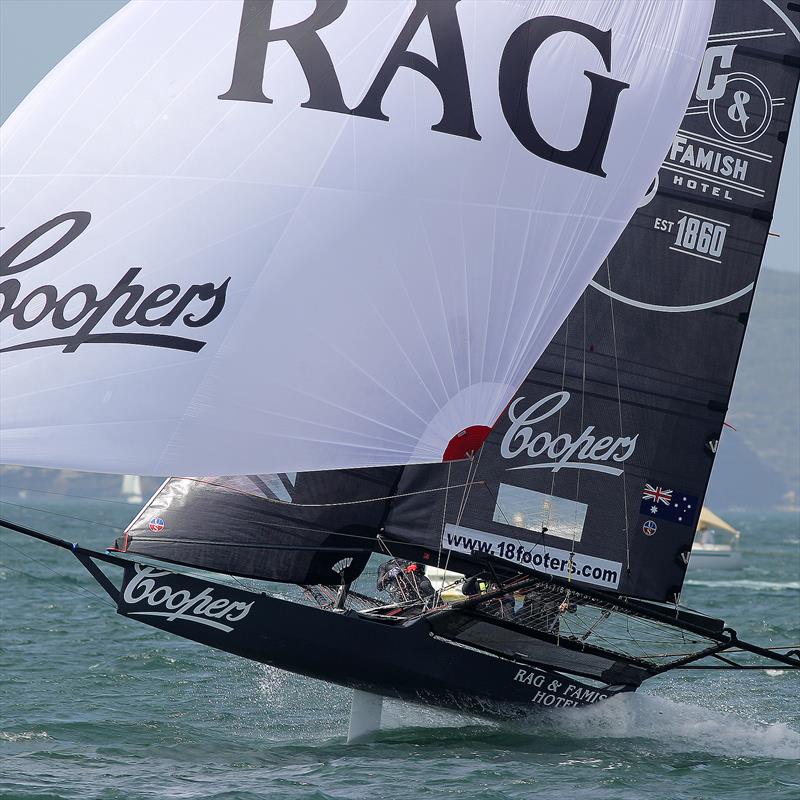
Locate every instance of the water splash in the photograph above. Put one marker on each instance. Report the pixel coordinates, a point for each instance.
(23, 736)
(678, 727)
(397, 714)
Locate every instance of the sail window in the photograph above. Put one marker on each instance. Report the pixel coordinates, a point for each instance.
(535, 511)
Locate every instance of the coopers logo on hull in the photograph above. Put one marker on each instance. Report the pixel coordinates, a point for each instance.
(84, 313)
(587, 451)
(180, 604)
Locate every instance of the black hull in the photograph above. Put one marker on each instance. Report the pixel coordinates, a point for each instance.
(405, 659)
(401, 660)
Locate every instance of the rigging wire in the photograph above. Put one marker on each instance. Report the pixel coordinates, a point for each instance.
(565, 604)
(4, 485)
(380, 539)
(496, 497)
(55, 572)
(276, 525)
(65, 516)
(326, 505)
(438, 593)
(522, 542)
(560, 413)
(619, 409)
(471, 475)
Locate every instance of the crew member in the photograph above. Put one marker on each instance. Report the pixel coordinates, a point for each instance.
(404, 581)
(478, 584)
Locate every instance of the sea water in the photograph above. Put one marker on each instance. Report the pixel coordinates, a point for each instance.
(96, 706)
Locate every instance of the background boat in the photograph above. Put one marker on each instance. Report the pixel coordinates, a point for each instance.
(716, 545)
(131, 489)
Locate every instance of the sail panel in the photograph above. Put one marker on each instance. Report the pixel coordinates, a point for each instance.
(246, 237)
(597, 470)
(272, 527)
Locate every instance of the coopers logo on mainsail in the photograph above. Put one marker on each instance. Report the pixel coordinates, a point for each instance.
(587, 451)
(84, 313)
(449, 75)
(180, 604)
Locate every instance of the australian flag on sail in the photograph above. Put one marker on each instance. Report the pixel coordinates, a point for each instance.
(668, 504)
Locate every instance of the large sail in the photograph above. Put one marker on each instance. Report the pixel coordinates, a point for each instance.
(249, 237)
(284, 527)
(597, 470)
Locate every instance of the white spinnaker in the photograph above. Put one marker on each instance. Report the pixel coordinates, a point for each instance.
(390, 285)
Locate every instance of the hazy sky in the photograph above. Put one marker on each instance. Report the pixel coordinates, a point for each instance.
(36, 34)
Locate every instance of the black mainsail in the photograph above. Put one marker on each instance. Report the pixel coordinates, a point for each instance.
(598, 468)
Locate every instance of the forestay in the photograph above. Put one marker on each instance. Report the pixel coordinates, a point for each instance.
(247, 237)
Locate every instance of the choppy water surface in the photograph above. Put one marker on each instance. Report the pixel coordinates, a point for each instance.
(94, 706)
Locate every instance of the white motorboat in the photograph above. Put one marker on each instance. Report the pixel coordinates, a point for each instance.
(716, 545)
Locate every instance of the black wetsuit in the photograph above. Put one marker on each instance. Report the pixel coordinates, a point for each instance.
(402, 584)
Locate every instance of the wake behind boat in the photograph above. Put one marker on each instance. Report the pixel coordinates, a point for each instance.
(350, 388)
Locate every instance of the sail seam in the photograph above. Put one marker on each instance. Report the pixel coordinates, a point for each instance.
(329, 505)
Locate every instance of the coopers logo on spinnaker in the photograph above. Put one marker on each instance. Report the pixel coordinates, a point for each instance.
(83, 313)
(587, 451)
(202, 608)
